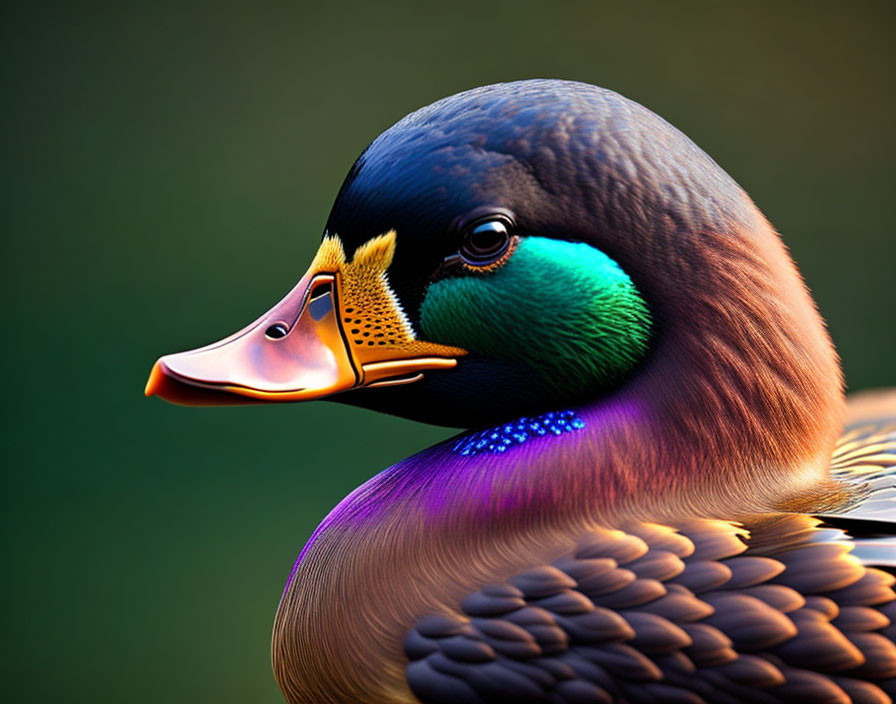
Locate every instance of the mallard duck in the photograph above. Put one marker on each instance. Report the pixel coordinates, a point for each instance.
(654, 499)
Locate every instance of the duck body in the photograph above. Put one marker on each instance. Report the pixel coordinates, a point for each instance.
(653, 403)
(443, 550)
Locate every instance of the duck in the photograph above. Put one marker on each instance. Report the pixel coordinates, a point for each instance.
(660, 492)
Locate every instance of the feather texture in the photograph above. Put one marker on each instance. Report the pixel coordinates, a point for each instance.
(708, 612)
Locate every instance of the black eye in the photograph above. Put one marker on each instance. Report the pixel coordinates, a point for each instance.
(485, 243)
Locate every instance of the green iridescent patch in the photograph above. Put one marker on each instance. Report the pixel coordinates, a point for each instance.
(565, 309)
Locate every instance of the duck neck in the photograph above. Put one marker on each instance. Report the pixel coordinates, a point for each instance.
(742, 393)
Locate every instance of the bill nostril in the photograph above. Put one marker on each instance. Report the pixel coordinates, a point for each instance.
(276, 331)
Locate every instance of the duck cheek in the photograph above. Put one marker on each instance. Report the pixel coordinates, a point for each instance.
(565, 310)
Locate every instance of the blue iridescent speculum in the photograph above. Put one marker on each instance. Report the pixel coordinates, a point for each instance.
(501, 438)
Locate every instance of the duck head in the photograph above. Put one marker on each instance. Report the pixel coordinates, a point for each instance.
(535, 245)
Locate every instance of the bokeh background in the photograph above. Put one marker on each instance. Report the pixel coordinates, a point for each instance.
(166, 173)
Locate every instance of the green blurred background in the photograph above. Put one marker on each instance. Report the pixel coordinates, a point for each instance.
(166, 175)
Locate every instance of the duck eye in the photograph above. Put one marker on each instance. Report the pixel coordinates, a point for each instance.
(485, 243)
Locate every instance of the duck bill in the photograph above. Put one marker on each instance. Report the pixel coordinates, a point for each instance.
(297, 351)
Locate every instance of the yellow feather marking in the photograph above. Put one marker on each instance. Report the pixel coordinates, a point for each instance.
(330, 256)
(375, 324)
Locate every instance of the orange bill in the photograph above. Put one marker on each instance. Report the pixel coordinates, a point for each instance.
(340, 328)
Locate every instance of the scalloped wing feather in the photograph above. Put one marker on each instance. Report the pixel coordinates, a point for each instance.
(704, 612)
(866, 455)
